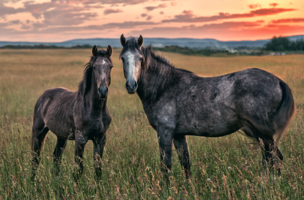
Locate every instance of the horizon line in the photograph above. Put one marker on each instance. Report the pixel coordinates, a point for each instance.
(157, 38)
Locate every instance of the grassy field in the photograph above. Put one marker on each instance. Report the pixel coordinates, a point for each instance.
(223, 168)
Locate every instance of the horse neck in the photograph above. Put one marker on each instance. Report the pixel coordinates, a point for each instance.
(92, 101)
(154, 79)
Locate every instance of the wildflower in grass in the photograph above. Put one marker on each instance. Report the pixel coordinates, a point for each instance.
(229, 168)
(208, 179)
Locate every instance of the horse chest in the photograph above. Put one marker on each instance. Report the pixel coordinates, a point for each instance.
(95, 127)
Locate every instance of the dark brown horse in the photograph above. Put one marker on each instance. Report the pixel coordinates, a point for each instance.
(179, 103)
(81, 116)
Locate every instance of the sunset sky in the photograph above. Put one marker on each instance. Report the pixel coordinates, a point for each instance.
(60, 20)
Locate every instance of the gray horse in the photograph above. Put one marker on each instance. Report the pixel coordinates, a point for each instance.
(81, 116)
(179, 103)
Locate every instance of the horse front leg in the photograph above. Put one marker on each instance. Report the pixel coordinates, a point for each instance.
(180, 143)
(99, 145)
(80, 142)
(60, 146)
(165, 144)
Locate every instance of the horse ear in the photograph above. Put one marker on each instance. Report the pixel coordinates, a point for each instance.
(94, 50)
(122, 40)
(109, 50)
(140, 41)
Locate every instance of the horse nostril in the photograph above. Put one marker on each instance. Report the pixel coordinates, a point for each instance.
(103, 91)
(131, 86)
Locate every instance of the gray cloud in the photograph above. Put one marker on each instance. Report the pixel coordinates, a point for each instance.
(127, 24)
(110, 11)
(188, 16)
(54, 13)
(63, 12)
(122, 25)
(288, 20)
(14, 22)
(188, 30)
(227, 31)
(148, 17)
(150, 8)
(62, 30)
(4, 10)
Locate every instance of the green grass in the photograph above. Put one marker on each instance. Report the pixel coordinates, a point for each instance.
(223, 168)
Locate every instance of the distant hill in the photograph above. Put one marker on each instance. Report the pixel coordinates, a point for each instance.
(156, 42)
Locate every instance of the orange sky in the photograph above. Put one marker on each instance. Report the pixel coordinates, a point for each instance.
(59, 20)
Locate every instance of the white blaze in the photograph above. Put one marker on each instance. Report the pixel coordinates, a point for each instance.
(132, 67)
(103, 75)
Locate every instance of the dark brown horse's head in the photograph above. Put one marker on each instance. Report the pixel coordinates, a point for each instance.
(132, 59)
(98, 71)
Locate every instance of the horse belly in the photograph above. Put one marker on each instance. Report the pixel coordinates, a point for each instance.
(59, 123)
(60, 128)
(209, 122)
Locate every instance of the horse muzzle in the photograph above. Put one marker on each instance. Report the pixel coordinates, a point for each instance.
(102, 92)
(131, 86)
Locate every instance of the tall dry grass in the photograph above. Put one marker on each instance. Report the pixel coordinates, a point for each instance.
(223, 168)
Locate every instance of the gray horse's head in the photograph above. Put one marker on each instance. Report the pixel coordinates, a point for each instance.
(132, 59)
(101, 67)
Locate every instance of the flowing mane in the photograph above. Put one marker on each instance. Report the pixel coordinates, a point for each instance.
(158, 60)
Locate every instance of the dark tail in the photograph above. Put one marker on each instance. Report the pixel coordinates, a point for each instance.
(278, 124)
(286, 110)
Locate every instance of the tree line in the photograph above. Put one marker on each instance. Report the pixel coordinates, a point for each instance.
(42, 46)
(284, 44)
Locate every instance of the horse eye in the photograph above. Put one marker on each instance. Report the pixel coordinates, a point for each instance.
(141, 59)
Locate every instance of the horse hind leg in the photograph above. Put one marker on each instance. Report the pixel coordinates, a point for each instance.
(272, 157)
(279, 162)
(270, 152)
(37, 140)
